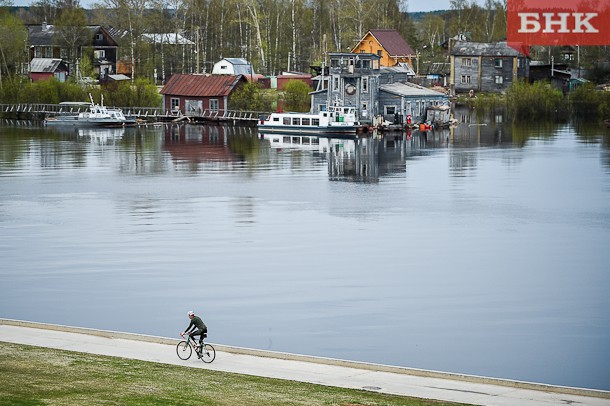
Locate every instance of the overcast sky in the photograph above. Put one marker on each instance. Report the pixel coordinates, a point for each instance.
(428, 5)
(414, 5)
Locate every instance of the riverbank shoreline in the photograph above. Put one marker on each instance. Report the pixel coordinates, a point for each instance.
(389, 379)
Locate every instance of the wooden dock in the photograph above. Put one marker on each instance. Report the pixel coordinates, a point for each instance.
(40, 111)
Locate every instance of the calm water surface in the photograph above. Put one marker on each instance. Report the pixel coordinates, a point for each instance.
(482, 250)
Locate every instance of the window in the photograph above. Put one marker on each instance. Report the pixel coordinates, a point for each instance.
(175, 103)
(365, 85)
(276, 119)
(498, 63)
(366, 64)
(499, 79)
(100, 53)
(390, 110)
(296, 121)
(466, 62)
(214, 105)
(99, 37)
(286, 121)
(465, 79)
(306, 121)
(335, 83)
(315, 121)
(379, 52)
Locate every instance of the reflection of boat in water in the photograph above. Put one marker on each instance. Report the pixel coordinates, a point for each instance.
(337, 120)
(97, 135)
(308, 142)
(97, 115)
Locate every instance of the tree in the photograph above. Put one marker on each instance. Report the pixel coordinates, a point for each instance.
(247, 97)
(12, 44)
(296, 96)
(71, 32)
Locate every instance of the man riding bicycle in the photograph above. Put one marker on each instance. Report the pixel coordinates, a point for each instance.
(196, 328)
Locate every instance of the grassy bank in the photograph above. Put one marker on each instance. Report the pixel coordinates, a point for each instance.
(33, 376)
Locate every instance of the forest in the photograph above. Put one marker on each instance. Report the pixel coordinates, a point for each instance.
(274, 35)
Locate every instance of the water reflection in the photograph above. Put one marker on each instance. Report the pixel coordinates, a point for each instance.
(474, 249)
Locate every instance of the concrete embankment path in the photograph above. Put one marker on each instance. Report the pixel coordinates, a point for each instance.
(324, 371)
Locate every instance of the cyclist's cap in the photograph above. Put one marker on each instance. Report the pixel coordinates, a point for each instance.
(191, 313)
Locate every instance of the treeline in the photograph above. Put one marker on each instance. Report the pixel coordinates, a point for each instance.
(275, 35)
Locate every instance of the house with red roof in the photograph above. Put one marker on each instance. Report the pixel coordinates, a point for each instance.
(197, 94)
(388, 44)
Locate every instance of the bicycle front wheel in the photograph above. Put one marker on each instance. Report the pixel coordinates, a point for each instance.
(184, 350)
(208, 353)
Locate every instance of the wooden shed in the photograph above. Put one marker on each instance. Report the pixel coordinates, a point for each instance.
(194, 94)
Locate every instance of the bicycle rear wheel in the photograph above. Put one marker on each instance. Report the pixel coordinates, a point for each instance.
(184, 350)
(208, 353)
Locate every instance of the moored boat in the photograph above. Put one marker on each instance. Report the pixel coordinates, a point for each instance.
(97, 115)
(335, 120)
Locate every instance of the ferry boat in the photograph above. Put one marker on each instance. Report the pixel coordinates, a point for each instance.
(97, 115)
(337, 120)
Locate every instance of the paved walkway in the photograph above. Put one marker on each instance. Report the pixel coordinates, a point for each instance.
(379, 378)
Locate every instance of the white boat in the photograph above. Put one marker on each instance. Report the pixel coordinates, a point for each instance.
(97, 115)
(336, 120)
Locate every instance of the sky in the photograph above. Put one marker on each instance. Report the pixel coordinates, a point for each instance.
(414, 5)
(428, 5)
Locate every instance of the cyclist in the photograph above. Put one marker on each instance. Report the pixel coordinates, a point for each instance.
(196, 328)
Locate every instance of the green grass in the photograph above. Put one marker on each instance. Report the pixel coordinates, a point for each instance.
(42, 376)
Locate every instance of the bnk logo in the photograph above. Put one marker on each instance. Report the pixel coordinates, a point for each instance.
(557, 22)
(562, 22)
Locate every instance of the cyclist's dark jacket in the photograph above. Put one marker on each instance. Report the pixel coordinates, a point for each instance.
(197, 324)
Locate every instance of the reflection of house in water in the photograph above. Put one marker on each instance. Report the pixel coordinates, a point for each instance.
(199, 144)
(480, 130)
(359, 160)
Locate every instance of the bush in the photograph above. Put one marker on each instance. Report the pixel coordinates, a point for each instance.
(296, 96)
(586, 102)
(536, 100)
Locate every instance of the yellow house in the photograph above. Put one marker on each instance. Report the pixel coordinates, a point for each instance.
(388, 44)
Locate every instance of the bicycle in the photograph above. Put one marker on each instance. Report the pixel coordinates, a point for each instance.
(185, 348)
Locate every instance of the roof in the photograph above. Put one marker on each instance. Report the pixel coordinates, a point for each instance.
(42, 34)
(119, 77)
(410, 89)
(392, 42)
(402, 67)
(201, 85)
(467, 48)
(44, 65)
(167, 38)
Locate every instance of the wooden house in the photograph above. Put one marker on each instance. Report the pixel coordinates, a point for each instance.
(194, 94)
(486, 67)
(353, 81)
(389, 45)
(102, 47)
(48, 68)
(397, 101)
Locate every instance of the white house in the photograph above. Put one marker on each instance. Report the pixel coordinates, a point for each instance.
(233, 66)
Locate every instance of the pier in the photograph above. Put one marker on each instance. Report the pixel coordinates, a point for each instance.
(40, 111)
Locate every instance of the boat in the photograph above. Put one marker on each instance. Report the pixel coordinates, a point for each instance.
(336, 120)
(97, 115)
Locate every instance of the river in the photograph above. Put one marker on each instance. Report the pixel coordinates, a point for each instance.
(481, 250)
